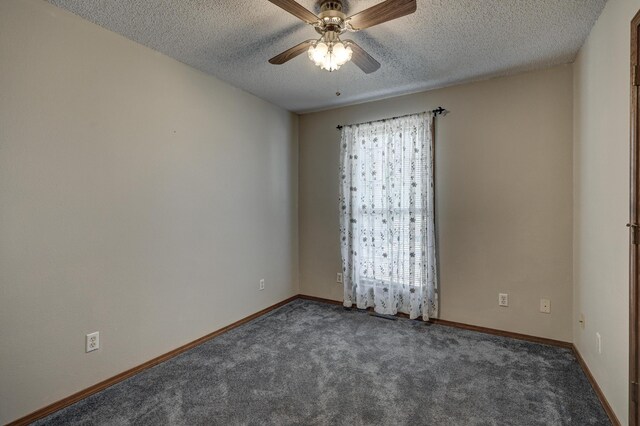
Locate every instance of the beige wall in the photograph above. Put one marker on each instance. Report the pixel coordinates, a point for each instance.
(144, 199)
(504, 204)
(601, 200)
(138, 197)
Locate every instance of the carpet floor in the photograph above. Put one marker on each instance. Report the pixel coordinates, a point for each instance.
(309, 363)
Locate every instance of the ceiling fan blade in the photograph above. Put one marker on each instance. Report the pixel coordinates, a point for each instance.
(362, 59)
(296, 9)
(291, 53)
(382, 12)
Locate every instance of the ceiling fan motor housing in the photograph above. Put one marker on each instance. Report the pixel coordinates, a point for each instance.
(331, 17)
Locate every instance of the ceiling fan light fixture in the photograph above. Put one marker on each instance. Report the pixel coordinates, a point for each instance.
(329, 52)
(330, 56)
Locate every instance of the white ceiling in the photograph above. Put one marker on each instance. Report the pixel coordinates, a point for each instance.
(445, 42)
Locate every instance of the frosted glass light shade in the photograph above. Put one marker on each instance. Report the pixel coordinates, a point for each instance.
(330, 63)
(320, 52)
(341, 53)
(330, 56)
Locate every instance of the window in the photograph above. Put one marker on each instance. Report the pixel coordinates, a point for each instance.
(387, 227)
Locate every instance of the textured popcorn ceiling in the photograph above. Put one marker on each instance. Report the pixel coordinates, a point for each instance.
(443, 43)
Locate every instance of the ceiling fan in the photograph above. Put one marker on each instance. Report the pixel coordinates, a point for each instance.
(329, 52)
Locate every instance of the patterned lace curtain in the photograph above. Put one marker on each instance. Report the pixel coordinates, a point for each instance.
(387, 226)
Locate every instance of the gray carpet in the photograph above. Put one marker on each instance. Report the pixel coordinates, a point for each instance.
(309, 363)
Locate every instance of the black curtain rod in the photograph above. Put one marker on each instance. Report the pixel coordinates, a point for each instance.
(436, 112)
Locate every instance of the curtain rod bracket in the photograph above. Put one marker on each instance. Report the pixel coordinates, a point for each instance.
(436, 112)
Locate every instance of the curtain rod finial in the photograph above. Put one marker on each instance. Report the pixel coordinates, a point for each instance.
(440, 111)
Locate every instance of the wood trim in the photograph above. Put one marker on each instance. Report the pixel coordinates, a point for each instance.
(503, 333)
(320, 299)
(479, 329)
(49, 409)
(596, 388)
(634, 210)
(535, 339)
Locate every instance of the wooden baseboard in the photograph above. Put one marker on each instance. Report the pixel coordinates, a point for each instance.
(319, 299)
(543, 340)
(486, 330)
(503, 333)
(49, 409)
(596, 387)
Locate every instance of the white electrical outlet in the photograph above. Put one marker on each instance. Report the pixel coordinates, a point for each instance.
(503, 299)
(545, 306)
(339, 277)
(92, 341)
(261, 284)
(599, 342)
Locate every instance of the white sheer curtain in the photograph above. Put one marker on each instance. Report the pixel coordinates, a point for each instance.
(387, 227)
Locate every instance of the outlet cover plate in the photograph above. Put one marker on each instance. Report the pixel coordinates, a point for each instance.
(339, 277)
(92, 341)
(545, 306)
(261, 287)
(503, 299)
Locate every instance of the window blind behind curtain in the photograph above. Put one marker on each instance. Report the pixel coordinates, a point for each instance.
(387, 216)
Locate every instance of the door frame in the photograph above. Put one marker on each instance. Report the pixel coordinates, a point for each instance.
(634, 224)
